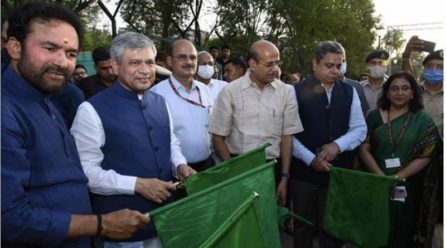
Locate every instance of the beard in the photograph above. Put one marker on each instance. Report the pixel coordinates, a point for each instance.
(39, 78)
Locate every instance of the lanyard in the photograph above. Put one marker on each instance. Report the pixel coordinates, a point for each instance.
(186, 99)
(402, 132)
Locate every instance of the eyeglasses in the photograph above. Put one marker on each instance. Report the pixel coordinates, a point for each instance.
(184, 57)
(271, 64)
(395, 89)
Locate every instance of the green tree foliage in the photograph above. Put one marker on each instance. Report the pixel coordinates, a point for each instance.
(393, 41)
(94, 38)
(309, 22)
(164, 19)
(295, 26)
(241, 22)
(78, 6)
(87, 11)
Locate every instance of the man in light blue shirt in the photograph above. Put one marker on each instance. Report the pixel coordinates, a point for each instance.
(190, 103)
(334, 126)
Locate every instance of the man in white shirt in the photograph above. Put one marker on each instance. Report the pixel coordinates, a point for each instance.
(205, 71)
(125, 139)
(191, 103)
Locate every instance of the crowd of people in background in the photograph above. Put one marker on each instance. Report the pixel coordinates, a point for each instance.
(84, 157)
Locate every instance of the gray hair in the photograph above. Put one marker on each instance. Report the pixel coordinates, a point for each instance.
(129, 41)
(328, 46)
(203, 52)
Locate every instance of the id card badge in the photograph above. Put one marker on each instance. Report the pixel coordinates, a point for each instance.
(393, 163)
(399, 193)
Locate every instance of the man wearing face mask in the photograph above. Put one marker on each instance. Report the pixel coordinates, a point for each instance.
(433, 87)
(432, 79)
(377, 62)
(355, 84)
(206, 71)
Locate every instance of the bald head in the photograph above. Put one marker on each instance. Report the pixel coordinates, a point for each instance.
(262, 48)
(264, 62)
(180, 44)
(204, 57)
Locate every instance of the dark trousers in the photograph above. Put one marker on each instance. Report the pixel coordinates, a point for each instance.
(199, 166)
(202, 165)
(309, 202)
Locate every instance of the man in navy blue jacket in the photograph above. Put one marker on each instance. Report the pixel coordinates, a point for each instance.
(125, 140)
(44, 194)
(334, 126)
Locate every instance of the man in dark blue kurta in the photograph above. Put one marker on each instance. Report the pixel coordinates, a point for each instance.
(44, 196)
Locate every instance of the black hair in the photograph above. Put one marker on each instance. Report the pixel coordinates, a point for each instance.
(415, 104)
(160, 56)
(100, 54)
(328, 46)
(80, 66)
(21, 19)
(236, 61)
(212, 47)
(284, 76)
(225, 47)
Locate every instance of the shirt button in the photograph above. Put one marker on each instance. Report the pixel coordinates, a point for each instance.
(53, 116)
(156, 148)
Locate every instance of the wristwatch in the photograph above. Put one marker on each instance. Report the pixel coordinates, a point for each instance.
(285, 175)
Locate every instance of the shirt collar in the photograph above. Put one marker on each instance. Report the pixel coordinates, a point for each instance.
(211, 83)
(178, 85)
(429, 92)
(367, 83)
(247, 82)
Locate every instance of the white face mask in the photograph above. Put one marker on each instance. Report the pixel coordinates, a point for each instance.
(377, 71)
(205, 71)
(343, 69)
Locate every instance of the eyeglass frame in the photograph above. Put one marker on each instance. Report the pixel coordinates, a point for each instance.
(184, 57)
(404, 88)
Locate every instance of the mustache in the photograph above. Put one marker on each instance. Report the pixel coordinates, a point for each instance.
(57, 69)
(188, 66)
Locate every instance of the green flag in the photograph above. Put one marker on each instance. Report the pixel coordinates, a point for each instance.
(241, 229)
(357, 208)
(217, 196)
(228, 169)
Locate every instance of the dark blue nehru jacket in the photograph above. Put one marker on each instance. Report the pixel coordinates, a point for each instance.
(323, 123)
(67, 101)
(42, 180)
(137, 143)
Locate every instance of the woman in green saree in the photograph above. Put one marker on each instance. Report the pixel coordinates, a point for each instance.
(402, 141)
